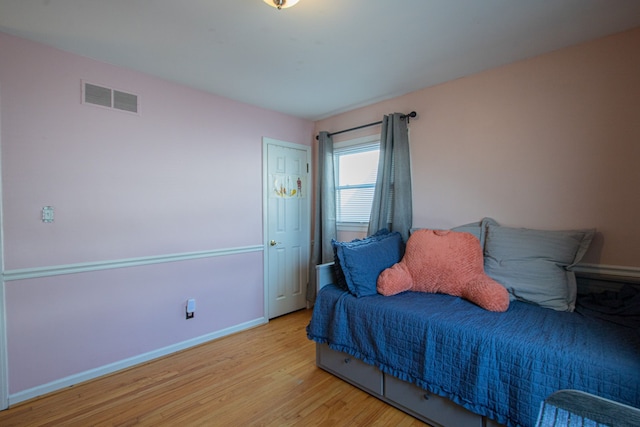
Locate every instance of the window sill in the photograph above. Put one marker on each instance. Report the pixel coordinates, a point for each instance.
(352, 226)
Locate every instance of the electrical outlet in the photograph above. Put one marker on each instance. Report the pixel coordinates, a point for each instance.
(190, 309)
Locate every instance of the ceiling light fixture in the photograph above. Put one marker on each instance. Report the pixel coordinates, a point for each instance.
(281, 4)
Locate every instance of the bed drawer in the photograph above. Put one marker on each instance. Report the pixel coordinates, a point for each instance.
(350, 369)
(434, 408)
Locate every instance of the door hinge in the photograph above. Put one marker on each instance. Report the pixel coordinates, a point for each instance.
(307, 167)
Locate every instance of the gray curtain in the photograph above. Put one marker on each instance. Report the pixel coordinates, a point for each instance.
(324, 227)
(392, 207)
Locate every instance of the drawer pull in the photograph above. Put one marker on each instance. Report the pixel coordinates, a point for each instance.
(347, 360)
(426, 396)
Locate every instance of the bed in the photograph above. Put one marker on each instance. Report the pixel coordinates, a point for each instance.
(450, 362)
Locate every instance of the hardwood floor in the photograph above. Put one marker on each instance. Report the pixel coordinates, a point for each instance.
(265, 376)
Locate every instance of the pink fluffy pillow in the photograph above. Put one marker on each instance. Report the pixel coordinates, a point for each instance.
(448, 262)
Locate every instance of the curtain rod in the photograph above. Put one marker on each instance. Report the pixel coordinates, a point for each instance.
(408, 116)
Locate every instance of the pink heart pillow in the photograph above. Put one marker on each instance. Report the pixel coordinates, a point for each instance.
(448, 262)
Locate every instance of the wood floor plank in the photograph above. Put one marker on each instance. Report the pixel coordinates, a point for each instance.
(265, 376)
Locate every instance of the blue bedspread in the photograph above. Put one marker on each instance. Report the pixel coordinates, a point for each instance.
(501, 365)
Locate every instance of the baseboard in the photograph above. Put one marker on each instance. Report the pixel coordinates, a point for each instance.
(127, 363)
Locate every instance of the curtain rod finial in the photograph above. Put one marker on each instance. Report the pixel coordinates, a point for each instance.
(410, 116)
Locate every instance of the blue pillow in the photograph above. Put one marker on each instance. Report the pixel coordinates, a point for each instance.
(341, 282)
(362, 261)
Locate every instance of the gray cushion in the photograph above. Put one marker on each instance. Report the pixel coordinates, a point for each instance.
(533, 264)
(478, 229)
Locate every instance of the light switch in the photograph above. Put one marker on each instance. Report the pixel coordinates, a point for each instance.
(47, 214)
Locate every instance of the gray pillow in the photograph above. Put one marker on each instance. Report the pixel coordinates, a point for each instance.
(533, 264)
(478, 229)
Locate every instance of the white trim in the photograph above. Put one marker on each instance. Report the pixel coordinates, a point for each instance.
(126, 363)
(4, 370)
(30, 273)
(265, 225)
(612, 271)
(4, 377)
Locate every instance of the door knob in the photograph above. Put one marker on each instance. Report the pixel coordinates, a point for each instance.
(273, 243)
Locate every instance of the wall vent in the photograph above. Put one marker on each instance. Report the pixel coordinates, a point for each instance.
(109, 98)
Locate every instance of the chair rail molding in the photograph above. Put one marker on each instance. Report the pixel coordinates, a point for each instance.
(56, 270)
(611, 272)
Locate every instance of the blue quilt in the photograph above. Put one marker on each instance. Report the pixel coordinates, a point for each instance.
(501, 365)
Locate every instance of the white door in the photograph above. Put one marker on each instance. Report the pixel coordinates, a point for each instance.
(286, 225)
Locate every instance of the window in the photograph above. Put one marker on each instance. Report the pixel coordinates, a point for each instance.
(356, 169)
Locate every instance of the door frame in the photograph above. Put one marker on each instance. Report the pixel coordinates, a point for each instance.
(266, 141)
(4, 370)
(4, 374)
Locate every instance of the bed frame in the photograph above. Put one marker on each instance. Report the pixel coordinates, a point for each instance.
(432, 409)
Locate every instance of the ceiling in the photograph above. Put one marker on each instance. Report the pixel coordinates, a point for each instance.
(320, 57)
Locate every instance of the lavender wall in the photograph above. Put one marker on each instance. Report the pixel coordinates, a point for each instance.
(551, 142)
(182, 176)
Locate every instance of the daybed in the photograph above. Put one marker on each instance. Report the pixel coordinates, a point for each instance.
(449, 362)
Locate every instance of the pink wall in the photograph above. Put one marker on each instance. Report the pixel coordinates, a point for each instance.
(183, 176)
(63, 325)
(551, 142)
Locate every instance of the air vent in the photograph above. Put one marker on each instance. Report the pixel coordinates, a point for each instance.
(110, 98)
(125, 101)
(97, 95)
